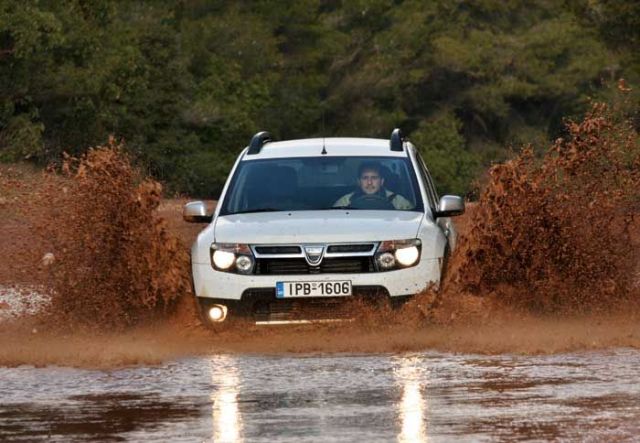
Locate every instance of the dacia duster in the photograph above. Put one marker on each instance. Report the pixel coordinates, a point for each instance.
(304, 226)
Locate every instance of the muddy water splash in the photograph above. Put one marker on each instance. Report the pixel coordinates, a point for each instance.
(112, 262)
(560, 233)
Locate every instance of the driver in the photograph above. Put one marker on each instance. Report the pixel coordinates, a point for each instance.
(371, 183)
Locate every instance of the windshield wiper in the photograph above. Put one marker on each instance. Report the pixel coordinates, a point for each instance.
(247, 211)
(337, 207)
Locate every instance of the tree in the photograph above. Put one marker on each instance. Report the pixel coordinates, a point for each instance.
(186, 84)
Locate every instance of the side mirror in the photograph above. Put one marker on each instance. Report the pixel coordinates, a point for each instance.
(449, 206)
(196, 212)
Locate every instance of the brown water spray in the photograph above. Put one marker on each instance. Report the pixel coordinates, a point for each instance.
(116, 263)
(558, 233)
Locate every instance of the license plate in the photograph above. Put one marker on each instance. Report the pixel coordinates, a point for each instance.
(340, 288)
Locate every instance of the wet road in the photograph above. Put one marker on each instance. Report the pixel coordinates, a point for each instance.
(417, 397)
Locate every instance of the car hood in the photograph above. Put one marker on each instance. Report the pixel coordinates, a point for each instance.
(337, 226)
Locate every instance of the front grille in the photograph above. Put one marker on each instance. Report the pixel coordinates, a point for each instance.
(263, 305)
(302, 310)
(335, 249)
(278, 250)
(329, 265)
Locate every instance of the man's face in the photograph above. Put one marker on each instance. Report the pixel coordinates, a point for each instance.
(370, 181)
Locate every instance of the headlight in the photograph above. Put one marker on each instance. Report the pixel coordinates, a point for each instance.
(386, 261)
(232, 257)
(244, 264)
(407, 256)
(223, 259)
(394, 254)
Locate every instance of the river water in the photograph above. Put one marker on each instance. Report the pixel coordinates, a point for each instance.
(402, 397)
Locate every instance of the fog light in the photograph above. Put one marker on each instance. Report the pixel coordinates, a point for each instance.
(217, 313)
(223, 259)
(386, 261)
(244, 264)
(407, 256)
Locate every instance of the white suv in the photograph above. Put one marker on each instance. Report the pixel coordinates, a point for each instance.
(303, 226)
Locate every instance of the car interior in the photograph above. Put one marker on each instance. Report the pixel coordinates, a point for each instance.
(296, 184)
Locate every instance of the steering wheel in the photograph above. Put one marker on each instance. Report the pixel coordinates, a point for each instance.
(371, 201)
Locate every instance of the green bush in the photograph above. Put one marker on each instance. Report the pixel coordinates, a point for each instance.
(443, 149)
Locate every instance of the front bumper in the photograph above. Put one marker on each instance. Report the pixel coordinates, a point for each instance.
(209, 283)
(262, 306)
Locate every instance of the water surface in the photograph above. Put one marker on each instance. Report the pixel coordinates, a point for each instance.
(410, 397)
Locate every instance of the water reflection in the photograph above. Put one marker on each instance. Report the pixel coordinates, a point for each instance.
(227, 422)
(412, 407)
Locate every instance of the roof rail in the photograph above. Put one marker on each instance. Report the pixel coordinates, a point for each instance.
(258, 141)
(397, 140)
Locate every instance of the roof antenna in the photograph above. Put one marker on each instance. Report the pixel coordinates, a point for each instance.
(324, 148)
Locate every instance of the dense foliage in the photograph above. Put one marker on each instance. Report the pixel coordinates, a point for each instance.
(186, 83)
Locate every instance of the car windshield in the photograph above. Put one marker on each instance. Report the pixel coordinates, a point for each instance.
(323, 183)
